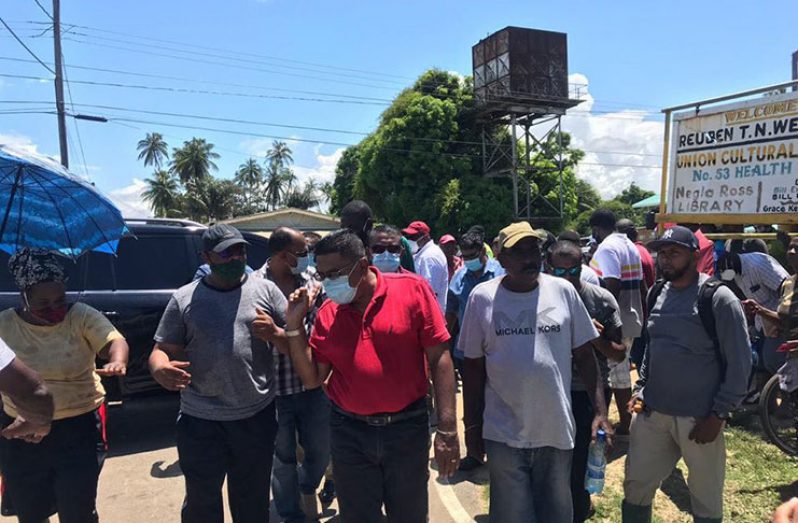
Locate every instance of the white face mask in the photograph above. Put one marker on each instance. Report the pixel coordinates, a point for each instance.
(413, 246)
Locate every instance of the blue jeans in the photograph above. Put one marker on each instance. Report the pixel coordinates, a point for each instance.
(529, 485)
(307, 415)
(386, 465)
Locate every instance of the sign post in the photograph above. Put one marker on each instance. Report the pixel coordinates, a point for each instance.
(732, 164)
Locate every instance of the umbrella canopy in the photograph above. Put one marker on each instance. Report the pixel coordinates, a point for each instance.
(43, 206)
(651, 201)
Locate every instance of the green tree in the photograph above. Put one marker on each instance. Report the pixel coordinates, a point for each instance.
(274, 186)
(210, 200)
(280, 154)
(304, 198)
(194, 161)
(249, 178)
(153, 150)
(162, 193)
(633, 194)
(344, 182)
(587, 198)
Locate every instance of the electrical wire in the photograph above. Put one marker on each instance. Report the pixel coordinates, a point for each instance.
(18, 39)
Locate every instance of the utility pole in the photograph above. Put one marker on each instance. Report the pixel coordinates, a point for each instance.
(59, 84)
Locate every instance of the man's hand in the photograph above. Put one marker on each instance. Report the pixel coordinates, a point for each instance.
(751, 307)
(264, 327)
(601, 422)
(599, 327)
(706, 430)
(171, 375)
(787, 512)
(299, 303)
(113, 368)
(447, 454)
(26, 430)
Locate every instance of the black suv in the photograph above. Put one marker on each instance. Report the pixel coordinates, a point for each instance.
(133, 288)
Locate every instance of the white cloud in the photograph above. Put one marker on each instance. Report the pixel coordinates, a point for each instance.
(620, 146)
(19, 141)
(258, 147)
(324, 171)
(129, 200)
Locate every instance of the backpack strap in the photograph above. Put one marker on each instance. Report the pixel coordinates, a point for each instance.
(706, 294)
(653, 294)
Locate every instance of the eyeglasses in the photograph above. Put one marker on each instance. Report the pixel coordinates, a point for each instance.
(472, 256)
(379, 249)
(572, 271)
(233, 251)
(321, 276)
(302, 254)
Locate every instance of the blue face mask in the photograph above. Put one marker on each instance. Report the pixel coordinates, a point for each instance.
(311, 259)
(302, 264)
(339, 290)
(386, 261)
(474, 265)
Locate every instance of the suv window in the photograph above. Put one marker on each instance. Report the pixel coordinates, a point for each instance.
(153, 262)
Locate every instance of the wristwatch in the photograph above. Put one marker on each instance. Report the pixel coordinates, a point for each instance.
(293, 333)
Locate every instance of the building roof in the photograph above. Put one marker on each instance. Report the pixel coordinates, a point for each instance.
(264, 223)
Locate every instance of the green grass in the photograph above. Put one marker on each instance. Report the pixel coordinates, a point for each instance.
(758, 478)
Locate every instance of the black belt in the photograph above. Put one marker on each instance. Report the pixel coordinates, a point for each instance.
(415, 409)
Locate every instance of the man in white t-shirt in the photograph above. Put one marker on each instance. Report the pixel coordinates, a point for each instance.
(33, 401)
(617, 262)
(429, 260)
(521, 334)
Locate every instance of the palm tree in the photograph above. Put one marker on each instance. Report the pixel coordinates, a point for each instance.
(161, 193)
(289, 178)
(327, 191)
(193, 161)
(274, 187)
(153, 150)
(303, 199)
(249, 178)
(280, 155)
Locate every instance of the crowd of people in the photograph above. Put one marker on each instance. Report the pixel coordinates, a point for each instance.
(341, 356)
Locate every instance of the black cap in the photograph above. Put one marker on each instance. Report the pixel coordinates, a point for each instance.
(219, 237)
(676, 235)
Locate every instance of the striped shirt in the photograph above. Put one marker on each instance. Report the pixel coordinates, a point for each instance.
(761, 280)
(286, 380)
(618, 258)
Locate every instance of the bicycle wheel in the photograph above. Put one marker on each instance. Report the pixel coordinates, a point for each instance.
(779, 416)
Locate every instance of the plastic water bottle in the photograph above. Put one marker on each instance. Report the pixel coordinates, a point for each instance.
(596, 463)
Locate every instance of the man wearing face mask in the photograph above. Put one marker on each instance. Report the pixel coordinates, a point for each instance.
(385, 244)
(448, 245)
(210, 347)
(478, 268)
(759, 276)
(429, 260)
(373, 339)
(521, 335)
(302, 413)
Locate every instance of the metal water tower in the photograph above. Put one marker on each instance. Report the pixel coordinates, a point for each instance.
(521, 81)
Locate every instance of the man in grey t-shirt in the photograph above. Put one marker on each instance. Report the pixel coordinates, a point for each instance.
(687, 386)
(564, 260)
(210, 346)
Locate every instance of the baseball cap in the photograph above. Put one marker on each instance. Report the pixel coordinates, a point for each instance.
(446, 238)
(220, 236)
(417, 227)
(516, 232)
(676, 235)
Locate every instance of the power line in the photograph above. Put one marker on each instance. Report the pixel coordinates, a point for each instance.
(211, 82)
(196, 91)
(44, 10)
(74, 120)
(18, 39)
(230, 51)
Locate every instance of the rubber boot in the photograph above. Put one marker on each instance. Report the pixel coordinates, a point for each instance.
(635, 513)
(699, 519)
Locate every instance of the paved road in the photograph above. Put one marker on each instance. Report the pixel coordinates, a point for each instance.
(142, 481)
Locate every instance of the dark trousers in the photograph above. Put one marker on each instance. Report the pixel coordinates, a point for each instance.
(242, 450)
(386, 465)
(583, 419)
(59, 474)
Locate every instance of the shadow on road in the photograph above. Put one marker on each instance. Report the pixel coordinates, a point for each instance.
(142, 424)
(170, 471)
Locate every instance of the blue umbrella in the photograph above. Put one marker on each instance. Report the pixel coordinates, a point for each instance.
(43, 206)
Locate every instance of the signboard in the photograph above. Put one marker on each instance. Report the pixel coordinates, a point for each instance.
(736, 159)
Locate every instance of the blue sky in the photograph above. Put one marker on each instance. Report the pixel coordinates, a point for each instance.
(636, 57)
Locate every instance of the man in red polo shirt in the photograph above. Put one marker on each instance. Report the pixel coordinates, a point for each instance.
(372, 338)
